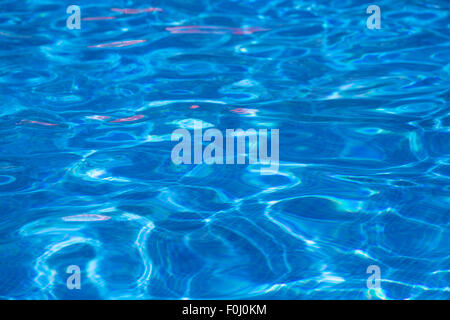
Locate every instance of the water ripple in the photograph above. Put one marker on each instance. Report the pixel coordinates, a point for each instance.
(86, 177)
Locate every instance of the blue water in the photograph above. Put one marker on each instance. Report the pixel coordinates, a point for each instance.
(86, 176)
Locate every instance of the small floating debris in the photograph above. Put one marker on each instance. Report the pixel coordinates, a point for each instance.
(48, 124)
(98, 18)
(245, 111)
(133, 118)
(117, 44)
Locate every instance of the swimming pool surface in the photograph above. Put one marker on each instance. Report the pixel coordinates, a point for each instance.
(86, 177)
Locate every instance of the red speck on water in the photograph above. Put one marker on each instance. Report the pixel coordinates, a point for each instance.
(194, 107)
(117, 44)
(133, 118)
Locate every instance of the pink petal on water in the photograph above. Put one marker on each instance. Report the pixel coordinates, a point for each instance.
(38, 122)
(245, 111)
(97, 18)
(117, 44)
(136, 11)
(86, 217)
(194, 107)
(133, 118)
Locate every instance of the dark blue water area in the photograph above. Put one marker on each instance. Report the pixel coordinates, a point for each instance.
(87, 178)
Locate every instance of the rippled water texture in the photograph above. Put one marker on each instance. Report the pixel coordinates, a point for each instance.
(86, 176)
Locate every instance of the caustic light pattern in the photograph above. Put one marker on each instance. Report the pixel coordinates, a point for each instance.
(92, 207)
